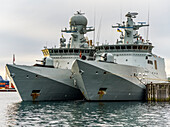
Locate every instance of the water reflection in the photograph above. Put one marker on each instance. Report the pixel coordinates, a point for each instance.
(80, 113)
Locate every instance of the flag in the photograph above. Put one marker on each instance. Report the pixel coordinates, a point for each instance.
(118, 30)
(80, 54)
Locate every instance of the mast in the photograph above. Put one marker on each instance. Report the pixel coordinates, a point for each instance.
(130, 34)
(78, 27)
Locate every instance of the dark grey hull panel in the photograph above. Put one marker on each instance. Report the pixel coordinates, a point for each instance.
(98, 84)
(50, 90)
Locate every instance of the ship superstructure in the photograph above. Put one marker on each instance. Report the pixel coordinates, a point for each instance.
(78, 45)
(121, 71)
(52, 79)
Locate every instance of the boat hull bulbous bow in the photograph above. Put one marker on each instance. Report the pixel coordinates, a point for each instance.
(101, 81)
(42, 83)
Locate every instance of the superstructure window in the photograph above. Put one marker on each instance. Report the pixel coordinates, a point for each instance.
(55, 51)
(117, 47)
(76, 50)
(139, 47)
(65, 51)
(60, 51)
(150, 62)
(145, 47)
(128, 47)
(71, 51)
(134, 47)
(102, 47)
(122, 47)
(86, 51)
(155, 62)
(50, 51)
(111, 47)
(106, 48)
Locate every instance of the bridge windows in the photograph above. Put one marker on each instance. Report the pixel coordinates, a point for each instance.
(86, 51)
(112, 47)
(122, 47)
(76, 50)
(134, 47)
(55, 51)
(145, 47)
(107, 47)
(128, 47)
(140, 47)
(117, 47)
(65, 51)
(71, 51)
(60, 51)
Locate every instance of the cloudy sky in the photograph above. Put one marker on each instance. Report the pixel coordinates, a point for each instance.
(26, 26)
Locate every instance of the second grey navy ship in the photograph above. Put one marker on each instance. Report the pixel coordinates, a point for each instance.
(120, 71)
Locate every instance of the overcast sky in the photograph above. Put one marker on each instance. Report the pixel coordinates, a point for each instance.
(26, 26)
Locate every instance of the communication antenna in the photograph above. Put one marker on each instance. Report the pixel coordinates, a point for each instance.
(147, 35)
(98, 33)
(121, 15)
(121, 11)
(94, 27)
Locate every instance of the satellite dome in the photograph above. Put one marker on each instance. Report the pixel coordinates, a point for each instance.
(78, 19)
(48, 61)
(107, 57)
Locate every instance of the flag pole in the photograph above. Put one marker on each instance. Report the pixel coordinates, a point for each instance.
(13, 58)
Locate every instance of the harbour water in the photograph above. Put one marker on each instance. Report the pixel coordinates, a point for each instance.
(14, 112)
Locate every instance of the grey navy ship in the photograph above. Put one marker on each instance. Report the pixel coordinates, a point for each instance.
(52, 79)
(120, 71)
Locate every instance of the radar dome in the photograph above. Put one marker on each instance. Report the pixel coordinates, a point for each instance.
(78, 19)
(48, 61)
(107, 57)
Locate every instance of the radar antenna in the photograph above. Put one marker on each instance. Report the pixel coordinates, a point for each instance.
(79, 13)
(131, 14)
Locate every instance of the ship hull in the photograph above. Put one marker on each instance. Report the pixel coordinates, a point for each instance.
(42, 83)
(100, 81)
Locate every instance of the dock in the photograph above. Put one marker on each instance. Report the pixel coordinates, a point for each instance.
(158, 92)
